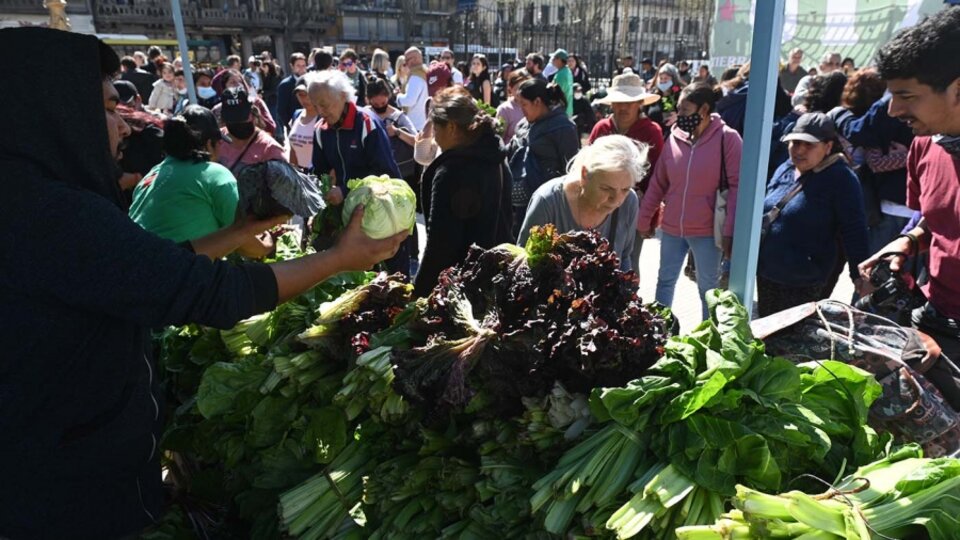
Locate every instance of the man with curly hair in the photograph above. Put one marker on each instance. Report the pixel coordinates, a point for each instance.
(925, 93)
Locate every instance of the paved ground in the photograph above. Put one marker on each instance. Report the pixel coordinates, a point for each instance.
(686, 302)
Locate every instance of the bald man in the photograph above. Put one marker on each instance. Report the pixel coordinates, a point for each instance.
(414, 97)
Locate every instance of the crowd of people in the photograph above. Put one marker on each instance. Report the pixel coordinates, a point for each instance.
(140, 207)
(838, 167)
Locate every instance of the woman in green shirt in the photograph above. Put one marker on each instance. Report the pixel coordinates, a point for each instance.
(189, 195)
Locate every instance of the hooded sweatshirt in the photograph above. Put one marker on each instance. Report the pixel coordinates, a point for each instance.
(80, 414)
(686, 179)
(465, 194)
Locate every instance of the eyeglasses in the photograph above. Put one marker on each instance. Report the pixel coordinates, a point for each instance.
(347, 63)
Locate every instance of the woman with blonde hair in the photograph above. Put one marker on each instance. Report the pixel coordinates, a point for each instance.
(400, 74)
(595, 194)
(380, 64)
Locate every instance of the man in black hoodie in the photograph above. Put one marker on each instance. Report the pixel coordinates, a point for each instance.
(81, 285)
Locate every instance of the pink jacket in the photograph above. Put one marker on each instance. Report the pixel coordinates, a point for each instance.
(686, 178)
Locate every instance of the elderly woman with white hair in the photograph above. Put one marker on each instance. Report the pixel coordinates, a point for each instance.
(350, 142)
(596, 194)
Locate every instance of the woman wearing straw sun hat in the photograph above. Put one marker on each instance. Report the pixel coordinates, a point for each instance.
(628, 97)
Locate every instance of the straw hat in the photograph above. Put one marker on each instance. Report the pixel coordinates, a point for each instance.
(628, 88)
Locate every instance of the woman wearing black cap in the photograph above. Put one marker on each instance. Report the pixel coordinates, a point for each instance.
(189, 195)
(812, 199)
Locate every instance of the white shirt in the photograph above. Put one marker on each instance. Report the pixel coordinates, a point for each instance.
(457, 76)
(301, 139)
(414, 101)
(549, 70)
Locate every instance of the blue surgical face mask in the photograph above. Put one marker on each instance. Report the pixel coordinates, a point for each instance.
(206, 92)
(665, 86)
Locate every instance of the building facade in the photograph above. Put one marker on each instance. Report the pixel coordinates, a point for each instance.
(393, 25)
(599, 31)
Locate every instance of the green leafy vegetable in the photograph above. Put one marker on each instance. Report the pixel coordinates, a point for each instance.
(389, 205)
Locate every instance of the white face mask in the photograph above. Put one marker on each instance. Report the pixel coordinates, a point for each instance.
(577, 95)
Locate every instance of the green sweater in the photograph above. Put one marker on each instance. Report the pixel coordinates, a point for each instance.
(182, 200)
(564, 79)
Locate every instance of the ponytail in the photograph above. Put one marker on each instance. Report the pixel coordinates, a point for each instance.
(550, 94)
(183, 142)
(483, 124)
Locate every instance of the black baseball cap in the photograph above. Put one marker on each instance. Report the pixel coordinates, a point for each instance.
(126, 90)
(647, 61)
(203, 120)
(812, 128)
(236, 106)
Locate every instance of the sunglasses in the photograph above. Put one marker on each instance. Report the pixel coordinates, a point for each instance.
(347, 63)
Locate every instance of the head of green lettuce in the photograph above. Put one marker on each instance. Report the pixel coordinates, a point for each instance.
(389, 205)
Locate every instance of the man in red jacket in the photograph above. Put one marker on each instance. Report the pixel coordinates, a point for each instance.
(627, 97)
(925, 92)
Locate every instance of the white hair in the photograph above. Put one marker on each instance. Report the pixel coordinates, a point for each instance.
(331, 81)
(613, 153)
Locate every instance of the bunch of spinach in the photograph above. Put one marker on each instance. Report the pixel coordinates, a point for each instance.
(715, 411)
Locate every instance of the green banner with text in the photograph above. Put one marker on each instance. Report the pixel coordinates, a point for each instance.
(854, 28)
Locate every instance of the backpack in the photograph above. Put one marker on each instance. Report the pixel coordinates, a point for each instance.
(910, 406)
(402, 152)
(528, 174)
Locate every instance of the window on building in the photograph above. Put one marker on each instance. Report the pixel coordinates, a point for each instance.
(562, 13)
(676, 26)
(545, 14)
(691, 27)
(646, 24)
(528, 15)
(634, 24)
(390, 28)
(351, 26)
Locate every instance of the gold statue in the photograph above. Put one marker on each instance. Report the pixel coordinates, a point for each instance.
(58, 14)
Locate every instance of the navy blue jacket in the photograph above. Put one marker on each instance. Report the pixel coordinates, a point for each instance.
(356, 147)
(877, 129)
(800, 248)
(286, 102)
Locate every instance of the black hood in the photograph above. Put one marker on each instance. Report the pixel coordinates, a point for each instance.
(56, 127)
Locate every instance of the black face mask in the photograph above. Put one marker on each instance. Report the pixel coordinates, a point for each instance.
(241, 131)
(688, 123)
(380, 110)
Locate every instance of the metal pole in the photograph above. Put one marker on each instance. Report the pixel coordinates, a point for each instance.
(765, 56)
(613, 42)
(184, 52)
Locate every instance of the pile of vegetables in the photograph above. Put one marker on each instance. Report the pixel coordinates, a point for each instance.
(900, 496)
(714, 412)
(530, 395)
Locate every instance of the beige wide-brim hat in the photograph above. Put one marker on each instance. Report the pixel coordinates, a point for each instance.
(628, 88)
